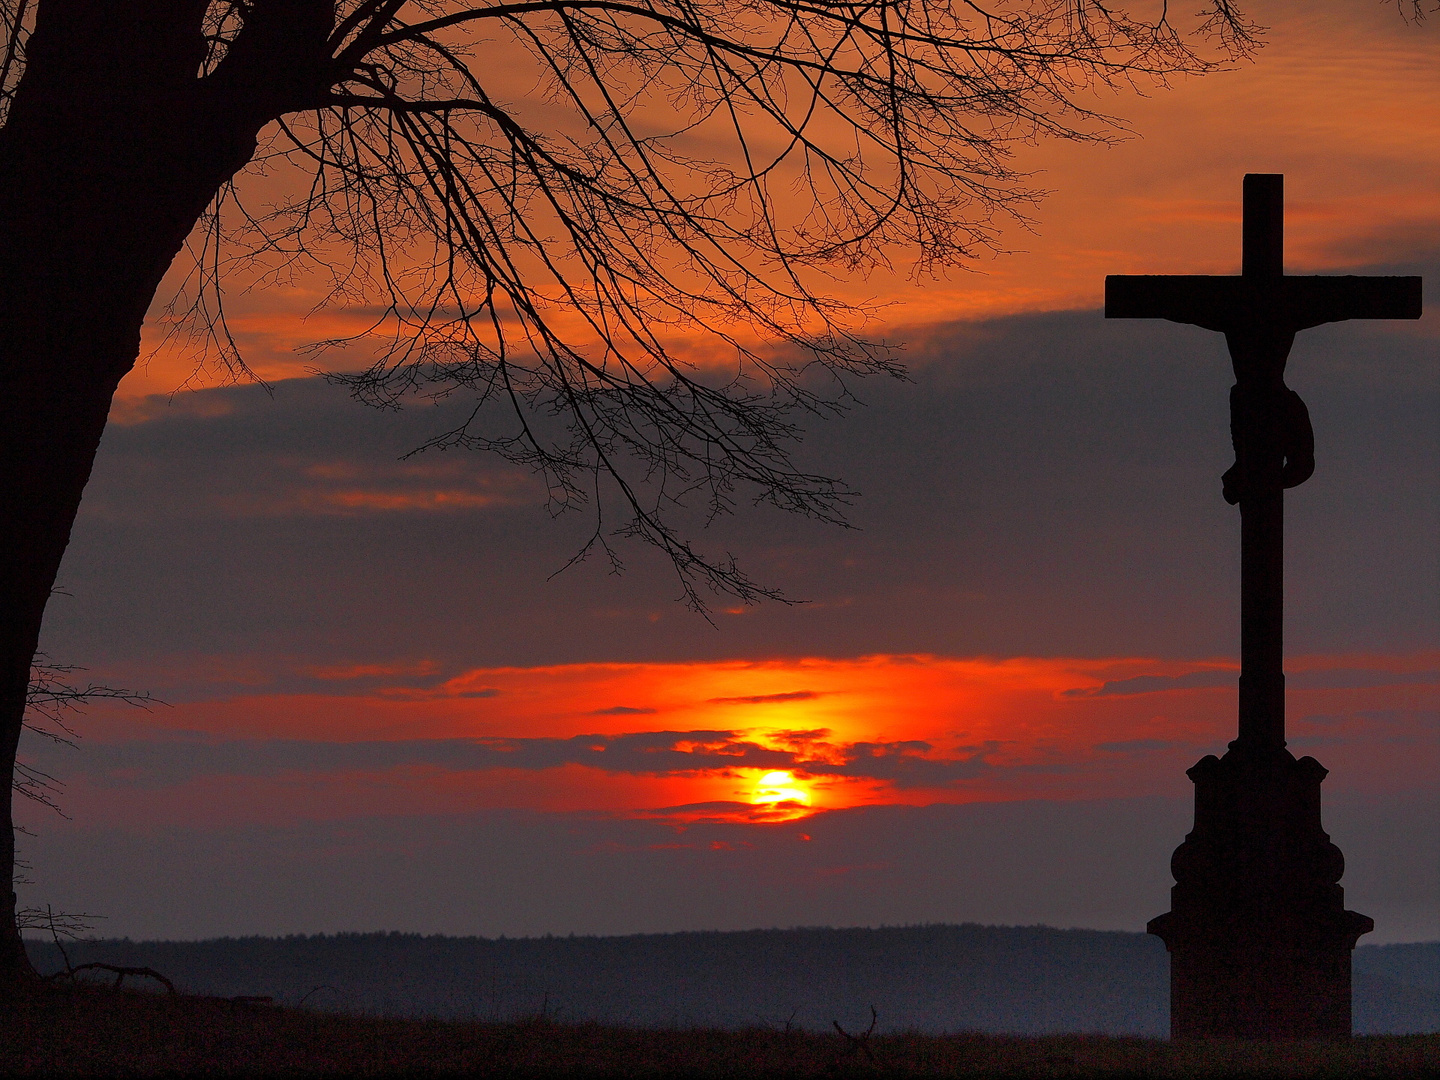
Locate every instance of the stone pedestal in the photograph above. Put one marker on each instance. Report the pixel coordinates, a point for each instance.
(1258, 934)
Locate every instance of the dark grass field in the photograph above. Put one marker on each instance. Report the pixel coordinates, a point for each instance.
(101, 1031)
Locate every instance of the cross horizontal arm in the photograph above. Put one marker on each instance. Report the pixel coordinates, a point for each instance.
(1197, 299)
(1230, 304)
(1311, 301)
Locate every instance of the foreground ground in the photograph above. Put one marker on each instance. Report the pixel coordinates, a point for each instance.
(92, 1030)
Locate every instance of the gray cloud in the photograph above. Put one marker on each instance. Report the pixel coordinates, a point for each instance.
(765, 699)
(1047, 485)
(1134, 746)
(1098, 864)
(1358, 678)
(161, 763)
(1154, 684)
(1327, 679)
(906, 765)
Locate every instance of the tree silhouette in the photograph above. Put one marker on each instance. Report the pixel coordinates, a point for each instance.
(545, 244)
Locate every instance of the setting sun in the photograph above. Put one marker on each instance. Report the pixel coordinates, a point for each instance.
(778, 787)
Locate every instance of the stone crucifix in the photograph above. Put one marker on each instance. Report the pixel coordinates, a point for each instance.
(1258, 936)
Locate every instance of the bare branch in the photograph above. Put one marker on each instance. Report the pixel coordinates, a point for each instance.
(624, 270)
(61, 924)
(49, 702)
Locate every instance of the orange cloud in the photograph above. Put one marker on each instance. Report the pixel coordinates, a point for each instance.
(691, 742)
(296, 487)
(349, 672)
(403, 500)
(1341, 100)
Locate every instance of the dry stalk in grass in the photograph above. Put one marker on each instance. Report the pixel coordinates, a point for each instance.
(860, 1042)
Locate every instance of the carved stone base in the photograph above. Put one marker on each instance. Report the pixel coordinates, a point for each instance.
(1258, 934)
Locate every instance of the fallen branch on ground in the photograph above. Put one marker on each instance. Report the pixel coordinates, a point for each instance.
(121, 973)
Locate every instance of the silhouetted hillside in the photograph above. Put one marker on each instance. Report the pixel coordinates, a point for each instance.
(1030, 980)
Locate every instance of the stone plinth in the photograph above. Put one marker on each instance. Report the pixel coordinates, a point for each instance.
(1258, 934)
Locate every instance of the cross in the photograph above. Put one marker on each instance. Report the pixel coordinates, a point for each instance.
(1259, 313)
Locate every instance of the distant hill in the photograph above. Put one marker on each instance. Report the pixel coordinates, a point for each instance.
(1026, 980)
(1397, 989)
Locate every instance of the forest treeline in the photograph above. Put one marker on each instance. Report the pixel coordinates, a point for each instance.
(1025, 980)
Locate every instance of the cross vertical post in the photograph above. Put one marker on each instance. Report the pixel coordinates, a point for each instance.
(1262, 229)
(1259, 368)
(1258, 935)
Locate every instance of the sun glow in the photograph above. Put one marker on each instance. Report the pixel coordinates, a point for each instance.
(779, 787)
(739, 741)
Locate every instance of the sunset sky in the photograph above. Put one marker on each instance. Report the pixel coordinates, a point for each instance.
(384, 709)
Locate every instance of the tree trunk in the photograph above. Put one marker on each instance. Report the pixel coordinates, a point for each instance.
(51, 433)
(112, 150)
